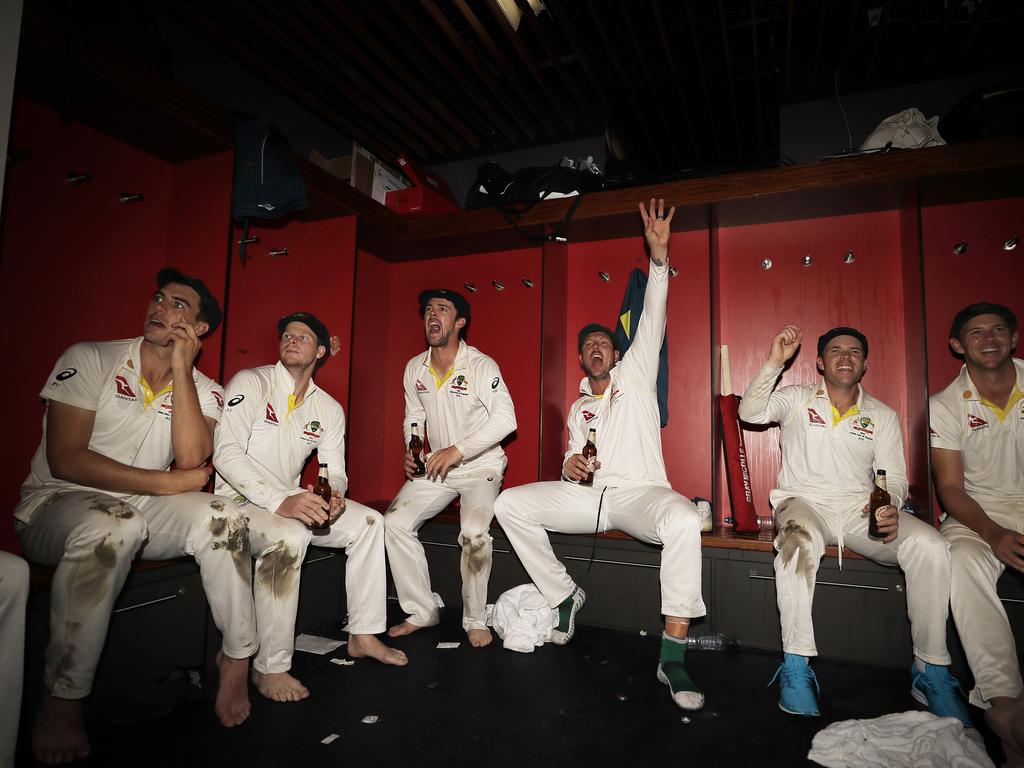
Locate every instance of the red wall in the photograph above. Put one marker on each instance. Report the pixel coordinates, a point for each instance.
(77, 264)
(986, 272)
(754, 303)
(686, 441)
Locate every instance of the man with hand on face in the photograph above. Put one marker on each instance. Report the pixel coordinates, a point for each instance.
(977, 450)
(100, 490)
(835, 436)
(275, 417)
(630, 490)
(458, 394)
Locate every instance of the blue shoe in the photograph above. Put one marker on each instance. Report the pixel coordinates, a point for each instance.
(796, 696)
(937, 690)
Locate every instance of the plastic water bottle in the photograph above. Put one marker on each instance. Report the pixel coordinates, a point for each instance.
(710, 642)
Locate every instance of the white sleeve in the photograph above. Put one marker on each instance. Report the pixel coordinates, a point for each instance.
(762, 405)
(641, 359)
(211, 399)
(414, 413)
(77, 378)
(889, 456)
(944, 428)
(331, 451)
(231, 440)
(576, 438)
(501, 413)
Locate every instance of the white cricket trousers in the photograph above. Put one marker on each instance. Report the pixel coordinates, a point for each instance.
(92, 539)
(977, 611)
(13, 599)
(279, 545)
(650, 513)
(804, 532)
(418, 501)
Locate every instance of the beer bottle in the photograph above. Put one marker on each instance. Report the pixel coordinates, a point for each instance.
(416, 448)
(323, 490)
(590, 454)
(879, 498)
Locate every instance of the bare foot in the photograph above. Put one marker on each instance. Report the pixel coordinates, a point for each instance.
(58, 735)
(279, 686)
(405, 628)
(232, 705)
(1006, 718)
(360, 646)
(479, 638)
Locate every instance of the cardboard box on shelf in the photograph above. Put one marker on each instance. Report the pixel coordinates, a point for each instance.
(372, 177)
(429, 193)
(336, 166)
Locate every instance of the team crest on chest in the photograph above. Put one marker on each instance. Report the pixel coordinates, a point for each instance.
(862, 427)
(165, 409)
(312, 431)
(459, 385)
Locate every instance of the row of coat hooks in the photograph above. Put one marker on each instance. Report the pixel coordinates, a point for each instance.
(959, 250)
(75, 178)
(500, 286)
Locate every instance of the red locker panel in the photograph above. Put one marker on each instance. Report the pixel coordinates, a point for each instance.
(753, 303)
(686, 441)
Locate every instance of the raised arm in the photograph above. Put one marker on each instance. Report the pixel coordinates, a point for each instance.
(760, 404)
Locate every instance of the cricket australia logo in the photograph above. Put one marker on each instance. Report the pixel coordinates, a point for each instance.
(460, 385)
(312, 431)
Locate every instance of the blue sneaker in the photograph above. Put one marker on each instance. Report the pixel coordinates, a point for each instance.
(795, 693)
(937, 690)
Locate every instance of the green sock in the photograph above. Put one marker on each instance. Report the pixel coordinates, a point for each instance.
(565, 611)
(673, 658)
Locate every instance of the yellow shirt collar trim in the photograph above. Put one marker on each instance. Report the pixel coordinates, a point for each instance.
(148, 396)
(1001, 413)
(437, 377)
(838, 417)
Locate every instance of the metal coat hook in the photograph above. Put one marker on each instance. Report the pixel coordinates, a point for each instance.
(251, 240)
(849, 258)
(498, 285)
(807, 260)
(131, 197)
(766, 263)
(278, 251)
(960, 248)
(672, 271)
(471, 287)
(78, 178)
(604, 276)
(528, 282)
(1010, 244)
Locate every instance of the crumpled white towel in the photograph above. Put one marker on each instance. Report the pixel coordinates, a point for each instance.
(523, 619)
(903, 740)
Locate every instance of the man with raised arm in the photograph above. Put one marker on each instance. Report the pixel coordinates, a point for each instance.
(630, 490)
(835, 437)
(100, 491)
(458, 395)
(977, 449)
(275, 417)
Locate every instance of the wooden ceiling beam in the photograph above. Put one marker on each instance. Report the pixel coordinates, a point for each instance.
(525, 56)
(418, 87)
(318, 22)
(677, 79)
(556, 60)
(473, 61)
(485, 39)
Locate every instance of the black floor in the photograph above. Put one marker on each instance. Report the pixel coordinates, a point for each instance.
(593, 702)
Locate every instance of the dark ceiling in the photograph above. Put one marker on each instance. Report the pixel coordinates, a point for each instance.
(676, 87)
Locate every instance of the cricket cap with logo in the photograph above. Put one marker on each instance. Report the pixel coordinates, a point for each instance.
(842, 330)
(312, 322)
(456, 298)
(211, 313)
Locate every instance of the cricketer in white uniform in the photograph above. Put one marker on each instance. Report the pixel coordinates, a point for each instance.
(630, 490)
(459, 395)
(834, 437)
(275, 416)
(100, 491)
(13, 599)
(977, 449)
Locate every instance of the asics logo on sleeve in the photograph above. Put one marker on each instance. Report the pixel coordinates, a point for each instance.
(235, 400)
(66, 374)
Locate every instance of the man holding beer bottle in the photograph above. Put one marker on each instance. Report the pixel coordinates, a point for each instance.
(629, 490)
(458, 394)
(977, 451)
(274, 418)
(836, 441)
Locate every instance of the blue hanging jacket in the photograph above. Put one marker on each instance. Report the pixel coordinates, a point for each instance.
(629, 318)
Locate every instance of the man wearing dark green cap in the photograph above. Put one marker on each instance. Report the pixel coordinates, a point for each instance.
(630, 490)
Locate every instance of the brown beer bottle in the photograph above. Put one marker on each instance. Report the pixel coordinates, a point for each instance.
(416, 448)
(590, 454)
(879, 498)
(323, 490)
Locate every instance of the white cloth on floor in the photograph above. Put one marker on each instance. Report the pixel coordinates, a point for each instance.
(902, 740)
(523, 619)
